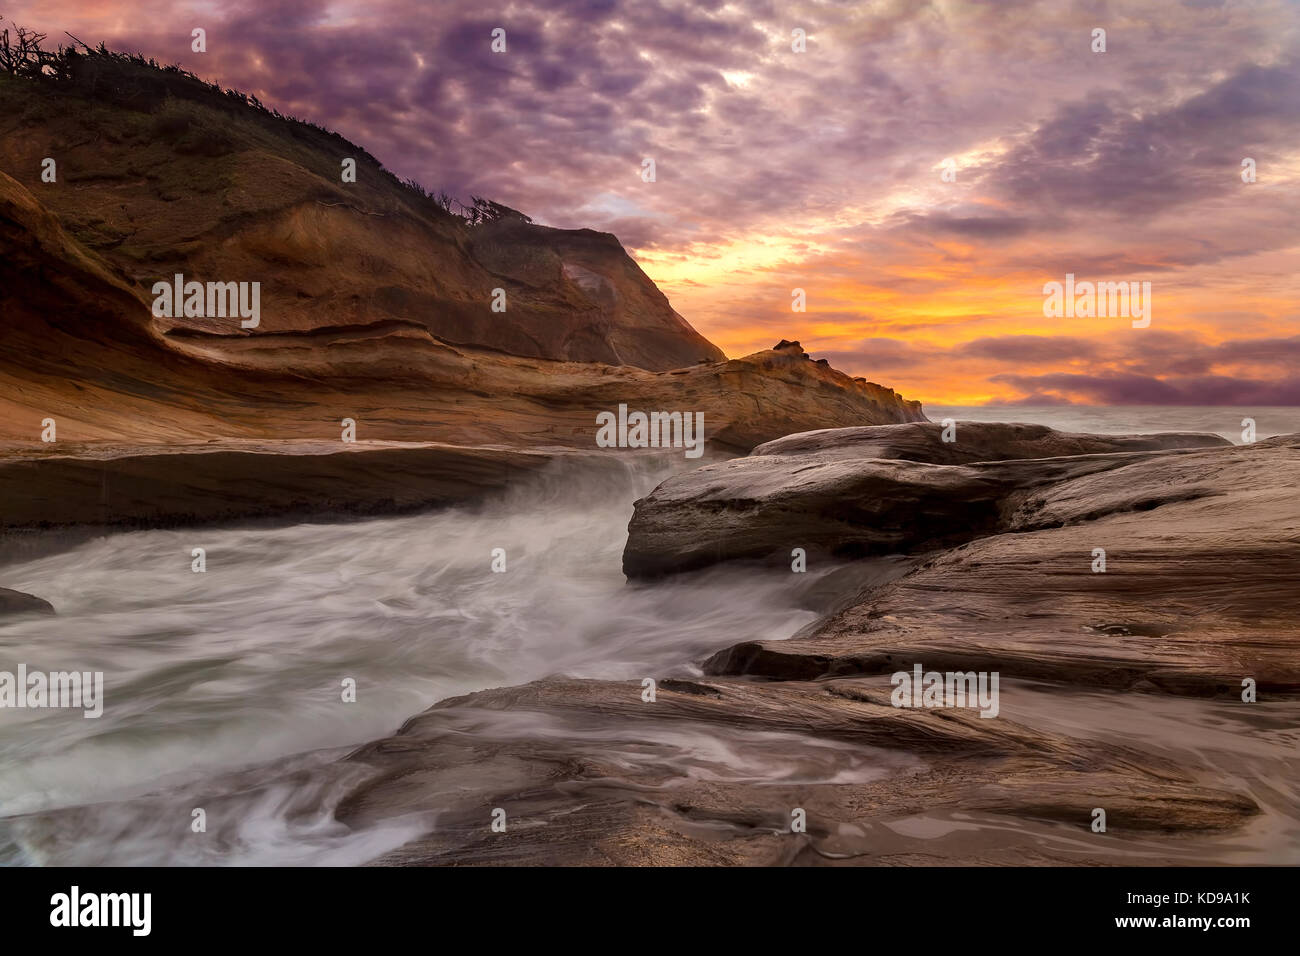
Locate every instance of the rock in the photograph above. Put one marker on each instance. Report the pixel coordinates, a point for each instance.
(590, 774)
(791, 348)
(18, 602)
(762, 508)
(131, 399)
(136, 486)
(105, 370)
(375, 308)
(852, 492)
(269, 205)
(1198, 592)
(975, 441)
(1200, 547)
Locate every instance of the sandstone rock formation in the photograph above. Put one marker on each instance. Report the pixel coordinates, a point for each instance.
(182, 179)
(127, 394)
(1202, 550)
(103, 486)
(1197, 596)
(590, 774)
(972, 442)
(849, 492)
(1199, 546)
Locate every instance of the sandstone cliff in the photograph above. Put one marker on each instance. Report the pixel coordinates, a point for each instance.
(161, 175)
(375, 307)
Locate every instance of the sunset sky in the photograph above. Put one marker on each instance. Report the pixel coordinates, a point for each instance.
(822, 170)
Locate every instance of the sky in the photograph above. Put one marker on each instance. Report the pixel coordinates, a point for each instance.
(919, 170)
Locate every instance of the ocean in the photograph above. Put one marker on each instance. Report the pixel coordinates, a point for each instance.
(1133, 419)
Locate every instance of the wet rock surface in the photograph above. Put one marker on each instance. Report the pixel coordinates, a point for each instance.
(588, 773)
(19, 602)
(847, 493)
(971, 442)
(1201, 554)
(1201, 544)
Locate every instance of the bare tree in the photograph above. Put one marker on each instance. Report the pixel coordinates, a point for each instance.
(21, 54)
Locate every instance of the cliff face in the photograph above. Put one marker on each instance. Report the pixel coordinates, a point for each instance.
(188, 184)
(375, 306)
(75, 340)
(584, 298)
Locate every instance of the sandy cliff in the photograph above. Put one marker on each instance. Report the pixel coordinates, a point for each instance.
(375, 306)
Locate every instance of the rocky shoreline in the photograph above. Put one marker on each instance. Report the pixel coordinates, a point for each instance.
(1197, 597)
(1201, 542)
(980, 560)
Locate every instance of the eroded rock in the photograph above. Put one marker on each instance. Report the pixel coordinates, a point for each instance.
(590, 774)
(851, 492)
(1201, 554)
(975, 441)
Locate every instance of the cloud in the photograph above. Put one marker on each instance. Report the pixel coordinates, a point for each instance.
(1034, 349)
(1125, 389)
(820, 170)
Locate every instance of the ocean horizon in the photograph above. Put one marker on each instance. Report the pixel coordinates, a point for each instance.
(1224, 420)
